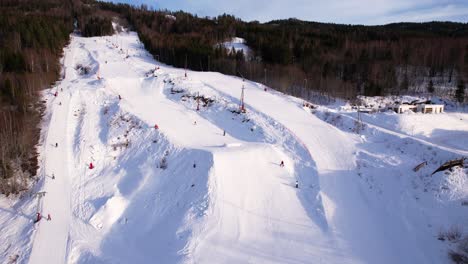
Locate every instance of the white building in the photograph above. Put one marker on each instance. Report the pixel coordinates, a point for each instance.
(423, 108)
(431, 108)
(401, 108)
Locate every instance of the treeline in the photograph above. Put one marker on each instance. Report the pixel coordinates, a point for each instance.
(297, 57)
(32, 36)
(348, 60)
(91, 20)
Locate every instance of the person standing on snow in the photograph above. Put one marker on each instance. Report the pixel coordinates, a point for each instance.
(282, 164)
(224, 132)
(38, 217)
(297, 184)
(48, 217)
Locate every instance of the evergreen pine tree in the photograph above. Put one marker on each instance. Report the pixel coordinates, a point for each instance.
(460, 92)
(430, 87)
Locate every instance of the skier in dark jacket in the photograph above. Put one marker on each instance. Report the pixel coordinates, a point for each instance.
(38, 217)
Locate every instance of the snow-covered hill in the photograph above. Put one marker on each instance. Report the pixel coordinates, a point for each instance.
(238, 44)
(173, 184)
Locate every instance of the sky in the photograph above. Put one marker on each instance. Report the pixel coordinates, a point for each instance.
(367, 12)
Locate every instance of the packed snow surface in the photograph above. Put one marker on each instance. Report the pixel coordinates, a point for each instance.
(180, 175)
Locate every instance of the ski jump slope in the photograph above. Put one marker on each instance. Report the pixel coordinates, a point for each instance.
(221, 199)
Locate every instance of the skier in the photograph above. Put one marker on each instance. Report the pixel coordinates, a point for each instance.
(120, 97)
(194, 165)
(55, 94)
(156, 126)
(48, 217)
(265, 89)
(56, 145)
(194, 123)
(38, 217)
(53, 176)
(297, 184)
(282, 164)
(224, 132)
(91, 166)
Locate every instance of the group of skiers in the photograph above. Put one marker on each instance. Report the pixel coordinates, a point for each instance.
(39, 217)
(38, 214)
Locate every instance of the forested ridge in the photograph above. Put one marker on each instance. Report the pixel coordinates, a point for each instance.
(298, 57)
(32, 36)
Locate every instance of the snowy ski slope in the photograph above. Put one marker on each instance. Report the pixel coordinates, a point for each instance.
(222, 198)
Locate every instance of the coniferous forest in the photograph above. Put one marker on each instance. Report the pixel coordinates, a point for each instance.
(32, 37)
(298, 57)
(301, 58)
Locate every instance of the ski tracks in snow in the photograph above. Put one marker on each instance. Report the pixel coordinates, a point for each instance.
(249, 212)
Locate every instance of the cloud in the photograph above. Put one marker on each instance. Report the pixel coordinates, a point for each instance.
(336, 11)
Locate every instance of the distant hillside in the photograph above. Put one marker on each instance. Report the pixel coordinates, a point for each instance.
(296, 56)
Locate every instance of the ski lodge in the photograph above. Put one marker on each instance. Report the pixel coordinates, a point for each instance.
(424, 108)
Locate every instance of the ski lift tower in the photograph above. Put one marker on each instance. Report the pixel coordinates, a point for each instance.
(185, 66)
(359, 125)
(242, 105)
